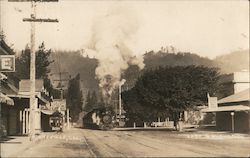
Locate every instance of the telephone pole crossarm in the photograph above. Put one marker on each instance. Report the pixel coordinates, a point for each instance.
(39, 20)
(62, 80)
(59, 73)
(33, 0)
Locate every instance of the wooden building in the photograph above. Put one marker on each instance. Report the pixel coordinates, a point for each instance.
(232, 112)
(22, 105)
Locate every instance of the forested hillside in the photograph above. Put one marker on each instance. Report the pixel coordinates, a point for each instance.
(74, 62)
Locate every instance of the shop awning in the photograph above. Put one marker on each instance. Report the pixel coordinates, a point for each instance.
(27, 96)
(5, 99)
(227, 108)
(48, 112)
(238, 97)
(51, 112)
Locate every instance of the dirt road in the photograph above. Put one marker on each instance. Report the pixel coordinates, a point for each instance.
(96, 143)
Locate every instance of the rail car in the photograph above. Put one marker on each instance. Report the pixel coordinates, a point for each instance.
(100, 118)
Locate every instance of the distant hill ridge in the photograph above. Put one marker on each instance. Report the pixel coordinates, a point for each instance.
(74, 63)
(152, 59)
(235, 61)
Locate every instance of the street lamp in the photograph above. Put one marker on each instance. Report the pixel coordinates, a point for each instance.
(232, 114)
(120, 97)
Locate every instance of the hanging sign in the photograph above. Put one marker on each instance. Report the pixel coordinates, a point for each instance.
(7, 63)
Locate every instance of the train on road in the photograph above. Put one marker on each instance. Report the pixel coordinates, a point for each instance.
(100, 118)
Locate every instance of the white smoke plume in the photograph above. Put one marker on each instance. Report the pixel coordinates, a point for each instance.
(112, 37)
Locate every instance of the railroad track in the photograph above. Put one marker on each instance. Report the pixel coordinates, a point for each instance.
(99, 148)
(92, 153)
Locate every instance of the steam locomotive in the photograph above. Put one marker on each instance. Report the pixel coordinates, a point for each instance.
(100, 118)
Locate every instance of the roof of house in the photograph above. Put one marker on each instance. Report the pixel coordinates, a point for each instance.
(237, 97)
(24, 86)
(5, 49)
(227, 108)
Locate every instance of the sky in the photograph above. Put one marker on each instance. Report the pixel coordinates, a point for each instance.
(207, 28)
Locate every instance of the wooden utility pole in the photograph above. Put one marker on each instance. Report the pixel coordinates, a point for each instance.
(60, 82)
(33, 102)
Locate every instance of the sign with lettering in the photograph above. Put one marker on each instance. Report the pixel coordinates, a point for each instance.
(7, 63)
(58, 105)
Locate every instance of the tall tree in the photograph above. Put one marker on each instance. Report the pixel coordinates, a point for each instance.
(169, 91)
(74, 97)
(91, 101)
(94, 98)
(42, 65)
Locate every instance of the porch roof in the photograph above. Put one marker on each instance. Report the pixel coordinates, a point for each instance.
(238, 97)
(27, 96)
(227, 108)
(24, 85)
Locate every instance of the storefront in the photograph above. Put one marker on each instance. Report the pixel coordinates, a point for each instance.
(232, 113)
(7, 118)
